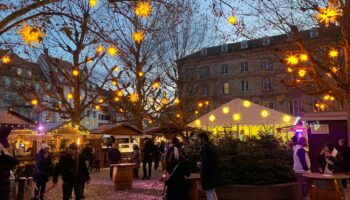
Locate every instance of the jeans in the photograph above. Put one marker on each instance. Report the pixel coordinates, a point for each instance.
(40, 189)
(211, 195)
(68, 189)
(144, 166)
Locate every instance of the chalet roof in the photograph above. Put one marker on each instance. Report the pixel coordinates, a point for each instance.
(118, 130)
(11, 118)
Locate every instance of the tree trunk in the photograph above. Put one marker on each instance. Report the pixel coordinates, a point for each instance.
(347, 106)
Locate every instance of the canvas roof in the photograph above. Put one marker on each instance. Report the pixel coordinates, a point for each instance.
(246, 113)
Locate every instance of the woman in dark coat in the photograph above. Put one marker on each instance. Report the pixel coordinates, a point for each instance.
(177, 169)
(43, 164)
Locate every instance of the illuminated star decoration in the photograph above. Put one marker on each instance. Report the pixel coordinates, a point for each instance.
(31, 35)
(6, 59)
(302, 73)
(143, 9)
(333, 53)
(112, 51)
(232, 19)
(328, 15)
(93, 3)
(138, 37)
(134, 97)
(292, 60)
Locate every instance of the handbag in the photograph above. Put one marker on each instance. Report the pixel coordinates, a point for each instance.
(165, 190)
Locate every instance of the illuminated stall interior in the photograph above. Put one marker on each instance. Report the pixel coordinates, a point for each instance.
(243, 119)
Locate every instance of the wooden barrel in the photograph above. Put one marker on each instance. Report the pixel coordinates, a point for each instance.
(327, 190)
(123, 176)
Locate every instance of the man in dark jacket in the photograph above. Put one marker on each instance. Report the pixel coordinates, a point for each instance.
(330, 160)
(87, 154)
(114, 157)
(43, 164)
(344, 150)
(148, 152)
(208, 166)
(74, 173)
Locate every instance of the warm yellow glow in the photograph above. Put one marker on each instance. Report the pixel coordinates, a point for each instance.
(247, 104)
(302, 72)
(178, 115)
(290, 70)
(116, 68)
(232, 19)
(116, 99)
(114, 82)
(99, 49)
(31, 34)
(150, 121)
(156, 85)
(225, 110)
(140, 74)
(200, 104)
(75, 72)
(69, 96)
(333, 53)
(206, 103)
(34, 102)
(292, 60)
(212, 118)
(97, 107)
(335, 69)
(197, 122)
(196, 112)
(264, 113)
(100, 100)
(332, 98)
(287, 118)
(177, 101)
(303, 57)
(329, 75)
(78, 141)
(143, 9)
(121, 110)
(112, 51)
(134, 97)
(120, 93)
(6, 59)
(164, 101)
(328, 15)
(236, 117)
(322, 106)
(138, 37)
(326, 97)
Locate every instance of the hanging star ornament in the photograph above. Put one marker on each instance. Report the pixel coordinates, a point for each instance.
(328, 15)
(138, 37)
(31, 35)
(143, 9)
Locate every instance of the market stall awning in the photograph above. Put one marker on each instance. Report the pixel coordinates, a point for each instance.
(243, 113)
(14, 120)
(118, 130)
(173, 129)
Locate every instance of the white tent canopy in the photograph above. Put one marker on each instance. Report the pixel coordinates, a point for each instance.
(243, 113)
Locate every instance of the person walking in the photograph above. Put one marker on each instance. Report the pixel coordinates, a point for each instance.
(157, 156)
(136, 160)
(74, 173)
(344, 150)
(87, 155)
(148, 152)
(208, 166)
(301, 165)
(175, 185)
(43, 163)
(330, 160)
(114, 157)
(7, 163)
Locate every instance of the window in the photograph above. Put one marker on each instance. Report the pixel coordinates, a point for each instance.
(204, 51)
(204, 72)
(224, 48)
(318, 106)
(244, 44)
(266, 65)
(19, 71)
(244, 66)
(294, 107)
(29, 73)
(313, 33)
(189, 72)
(93, 123)
(244, 86)
(93, 114)
(205, 90)
(269, 104)
(224, 69)
(266, 41)
(7, 82)
(103, 117)
(267, 84)
(225, 88)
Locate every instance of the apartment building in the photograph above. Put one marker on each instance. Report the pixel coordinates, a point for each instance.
(32, 72)
(250, 70)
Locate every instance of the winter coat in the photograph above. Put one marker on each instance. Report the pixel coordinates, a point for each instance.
(177, 187)
(334, 163)
(73, 171)
(7, 163)
(136, 158)
(209, 166)
(345, 153)
(87, 154)
(114, 156)
(148, 150)
(42, 166)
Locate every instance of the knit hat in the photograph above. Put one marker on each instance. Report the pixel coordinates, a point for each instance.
(44, 146)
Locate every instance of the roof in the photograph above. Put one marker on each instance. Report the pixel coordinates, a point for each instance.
(170, 129)
(13, 118)
(324, 116)
(117, 129)
(242, 112)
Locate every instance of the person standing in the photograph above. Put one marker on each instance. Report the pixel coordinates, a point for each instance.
(43, 163)
(330, 160)
(87, 154)
(148, 152)
(208, 166)
(114, 157)
(301, 165)
(74, 173)
(344, 150)
(136, 160)
(157, 155)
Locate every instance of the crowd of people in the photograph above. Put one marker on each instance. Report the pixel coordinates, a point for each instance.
(331, 160)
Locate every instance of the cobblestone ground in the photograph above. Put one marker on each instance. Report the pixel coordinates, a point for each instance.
(101, 188)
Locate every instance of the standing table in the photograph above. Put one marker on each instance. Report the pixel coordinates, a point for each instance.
(123, 176)
(326, 186)
(193, 179)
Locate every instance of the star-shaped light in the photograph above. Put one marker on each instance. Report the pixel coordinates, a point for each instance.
(112, 51)
(328, 15)
(93, 3)
(302, 72)
(303, 57)
(134, 97)
(34, 102)
(333, 53)
(232, 19)
(6, 59)
(292, 60)
(99, 49)
(138, 37)
(30, 34)
(69, 96)
(164, 101)
(143, 9)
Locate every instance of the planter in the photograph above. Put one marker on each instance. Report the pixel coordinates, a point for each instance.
(287, 191)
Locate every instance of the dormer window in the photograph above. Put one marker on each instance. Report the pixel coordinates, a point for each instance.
(244, 44)
(224, 48)
(266, 41)
(313, 33)
(204, 51)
